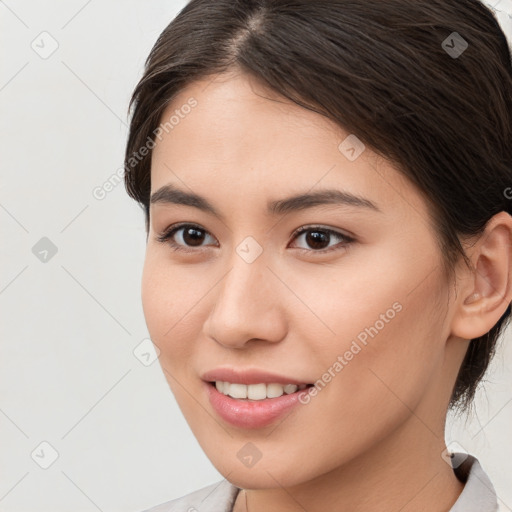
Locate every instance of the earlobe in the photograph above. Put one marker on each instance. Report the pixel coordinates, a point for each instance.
(487, 289)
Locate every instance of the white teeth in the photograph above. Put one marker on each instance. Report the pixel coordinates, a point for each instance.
(275, 390)
(237, 390)
(290, 388)
(256, 391)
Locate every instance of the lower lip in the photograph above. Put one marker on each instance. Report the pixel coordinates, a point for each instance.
(248, 414)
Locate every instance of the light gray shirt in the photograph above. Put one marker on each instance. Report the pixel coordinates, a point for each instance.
(478, 494)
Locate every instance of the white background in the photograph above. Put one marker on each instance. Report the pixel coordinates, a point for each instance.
(69, 326)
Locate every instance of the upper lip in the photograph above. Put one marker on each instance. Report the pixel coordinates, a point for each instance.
(248, 376)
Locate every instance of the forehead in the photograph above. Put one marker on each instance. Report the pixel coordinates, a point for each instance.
(241, 136)
(234, 114)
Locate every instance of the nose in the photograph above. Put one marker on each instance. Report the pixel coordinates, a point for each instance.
(246, 306)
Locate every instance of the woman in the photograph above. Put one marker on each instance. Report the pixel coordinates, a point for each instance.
(328, 232)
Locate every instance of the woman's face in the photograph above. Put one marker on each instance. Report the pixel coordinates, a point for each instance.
(357, 302)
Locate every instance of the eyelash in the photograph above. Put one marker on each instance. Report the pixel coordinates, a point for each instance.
(166, 237)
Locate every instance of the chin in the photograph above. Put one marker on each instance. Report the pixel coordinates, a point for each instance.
(272, 472)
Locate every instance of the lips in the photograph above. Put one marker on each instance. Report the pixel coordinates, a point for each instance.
(245, 412)
(249, 414)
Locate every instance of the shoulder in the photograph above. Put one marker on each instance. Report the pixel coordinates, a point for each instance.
(217, 497)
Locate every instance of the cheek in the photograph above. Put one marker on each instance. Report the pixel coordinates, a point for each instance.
(377, 335)
(394, 365)
(168, 299)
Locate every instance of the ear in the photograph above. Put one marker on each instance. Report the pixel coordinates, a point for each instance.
(485, 292)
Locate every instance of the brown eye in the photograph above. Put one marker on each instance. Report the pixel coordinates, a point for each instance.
(317, 239)
(193, 236)
(185, 236)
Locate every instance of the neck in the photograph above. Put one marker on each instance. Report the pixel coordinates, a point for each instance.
(405, 472)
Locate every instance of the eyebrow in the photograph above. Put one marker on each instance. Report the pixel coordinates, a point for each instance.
(169, 194)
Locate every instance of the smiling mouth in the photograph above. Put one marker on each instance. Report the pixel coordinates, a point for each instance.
(256, 392)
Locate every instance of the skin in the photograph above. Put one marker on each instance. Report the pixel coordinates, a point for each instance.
(372, 439)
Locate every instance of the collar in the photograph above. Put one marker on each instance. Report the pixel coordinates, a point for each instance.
(478, 494)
